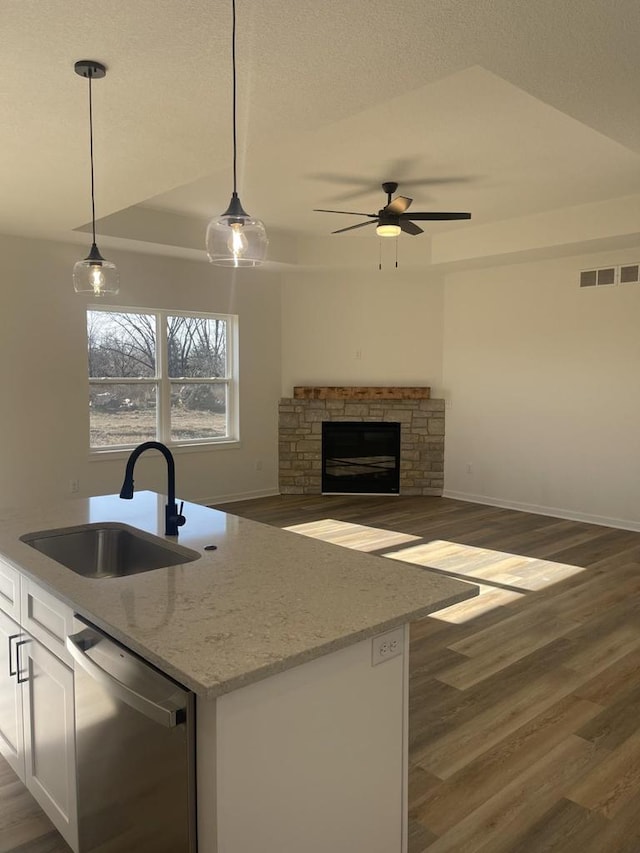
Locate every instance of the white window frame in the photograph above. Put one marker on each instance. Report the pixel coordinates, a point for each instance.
(163, 381)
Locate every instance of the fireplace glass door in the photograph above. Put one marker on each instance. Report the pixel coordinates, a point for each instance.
(360, 457)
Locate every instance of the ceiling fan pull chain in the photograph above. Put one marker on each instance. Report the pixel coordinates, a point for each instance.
(379, 253)
(396, 253)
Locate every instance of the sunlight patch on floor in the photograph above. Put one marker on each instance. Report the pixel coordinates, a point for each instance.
(482, 566)
(488, 598)
(525, 573)
(358, 537)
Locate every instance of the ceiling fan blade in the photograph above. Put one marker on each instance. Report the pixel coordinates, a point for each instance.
(351, 227)
(348, 212)
(435, 216)
(410, 227)
(345, 180)
(399, 204)
(434, 182)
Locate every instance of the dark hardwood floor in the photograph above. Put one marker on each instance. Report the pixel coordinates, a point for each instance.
(525, 719)
(524, 709)
(24, 828)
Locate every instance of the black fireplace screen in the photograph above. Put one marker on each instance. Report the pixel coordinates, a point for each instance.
(360, 457)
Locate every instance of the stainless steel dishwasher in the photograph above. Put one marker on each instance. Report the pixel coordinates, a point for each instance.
(135, 748)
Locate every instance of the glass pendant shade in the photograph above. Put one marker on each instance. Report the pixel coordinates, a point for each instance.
(235, 239)
(95, 275)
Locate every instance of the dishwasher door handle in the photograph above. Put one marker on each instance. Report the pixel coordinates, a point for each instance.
(77, 646)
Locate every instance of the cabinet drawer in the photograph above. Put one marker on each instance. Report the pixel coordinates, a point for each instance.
(9, 590)
(46, 619)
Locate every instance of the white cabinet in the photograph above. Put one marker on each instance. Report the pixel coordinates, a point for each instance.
(312, 759)
(11, 728)
(46, 619)
(49, 741)
(36, 697)
(10, 590)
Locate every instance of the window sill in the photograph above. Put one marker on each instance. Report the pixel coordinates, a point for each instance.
(177, 449)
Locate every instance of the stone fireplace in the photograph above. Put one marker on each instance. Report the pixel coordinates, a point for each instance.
(422, 433)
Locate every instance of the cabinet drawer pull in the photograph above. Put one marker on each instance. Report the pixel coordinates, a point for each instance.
(18, 664)
(12, 671)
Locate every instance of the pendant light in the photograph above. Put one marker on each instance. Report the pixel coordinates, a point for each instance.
(235, 239)
(94, 274)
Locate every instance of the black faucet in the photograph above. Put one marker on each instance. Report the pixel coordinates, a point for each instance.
(173, 516)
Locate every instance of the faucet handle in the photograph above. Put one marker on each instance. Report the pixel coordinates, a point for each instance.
(173, 518)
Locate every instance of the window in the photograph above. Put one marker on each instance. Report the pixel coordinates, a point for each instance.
(159, 375)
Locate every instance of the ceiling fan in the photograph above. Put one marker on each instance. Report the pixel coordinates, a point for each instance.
(392, 218)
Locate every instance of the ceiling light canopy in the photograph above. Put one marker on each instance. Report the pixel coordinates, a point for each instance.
(235, 239)
(94, 274)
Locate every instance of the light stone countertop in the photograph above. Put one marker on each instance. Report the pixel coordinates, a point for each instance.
(264, 601)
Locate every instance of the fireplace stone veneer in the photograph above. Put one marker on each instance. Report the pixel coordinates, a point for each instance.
(421, 444)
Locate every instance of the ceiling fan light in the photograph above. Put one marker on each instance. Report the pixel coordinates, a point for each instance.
(388, 230)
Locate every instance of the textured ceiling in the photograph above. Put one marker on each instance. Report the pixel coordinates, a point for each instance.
(530, 107)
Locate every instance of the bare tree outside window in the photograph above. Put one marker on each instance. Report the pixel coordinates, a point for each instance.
(156, 375)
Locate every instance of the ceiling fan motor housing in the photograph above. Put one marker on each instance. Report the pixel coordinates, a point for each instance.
(387, 218)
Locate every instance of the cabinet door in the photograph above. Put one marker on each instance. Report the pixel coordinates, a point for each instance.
(11, 739)
(50, 767)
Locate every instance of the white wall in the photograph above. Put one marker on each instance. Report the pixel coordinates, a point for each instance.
(44, 423)
(393, 318)
(543, 377)
(544, 380)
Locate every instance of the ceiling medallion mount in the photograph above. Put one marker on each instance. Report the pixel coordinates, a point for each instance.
(90, 68)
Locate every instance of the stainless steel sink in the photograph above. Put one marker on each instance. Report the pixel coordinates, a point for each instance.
(108, 549)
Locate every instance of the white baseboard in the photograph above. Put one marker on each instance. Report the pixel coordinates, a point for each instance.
(552, 511)
(239, 496)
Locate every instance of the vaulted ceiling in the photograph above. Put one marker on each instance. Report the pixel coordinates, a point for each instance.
(525, 114)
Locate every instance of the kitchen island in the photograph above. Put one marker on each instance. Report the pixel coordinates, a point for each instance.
(301, 733)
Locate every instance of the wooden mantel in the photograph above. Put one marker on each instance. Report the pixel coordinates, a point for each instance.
(361, 392)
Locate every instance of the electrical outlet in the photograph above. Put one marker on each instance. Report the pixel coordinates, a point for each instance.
(469, 467)
(74, 486)
(358, 354)
(387, 646)
(259, 465)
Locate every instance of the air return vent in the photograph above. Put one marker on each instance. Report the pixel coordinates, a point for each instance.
(630, 274)
(597, 278)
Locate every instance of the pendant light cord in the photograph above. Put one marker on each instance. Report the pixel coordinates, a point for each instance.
(233, 63)
(93, 200)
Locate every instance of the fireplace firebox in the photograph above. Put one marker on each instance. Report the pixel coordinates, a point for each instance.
(360, 457)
